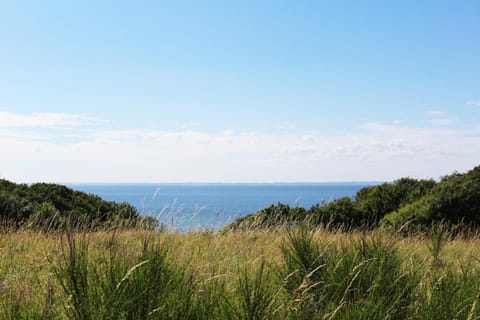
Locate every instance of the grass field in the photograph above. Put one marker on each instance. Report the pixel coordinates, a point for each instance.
(299, 274)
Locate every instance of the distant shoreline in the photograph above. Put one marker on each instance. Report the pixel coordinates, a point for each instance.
(346, 183)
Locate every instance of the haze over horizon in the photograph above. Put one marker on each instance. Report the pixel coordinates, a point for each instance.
(244, 91)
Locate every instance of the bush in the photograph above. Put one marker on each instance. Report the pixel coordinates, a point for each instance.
(456, 199)
(273, 216)
(410, 204)
(43, 205)
(336, 214)
(375, 202)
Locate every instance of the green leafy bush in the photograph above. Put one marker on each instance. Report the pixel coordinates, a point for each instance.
(408, 204)
(269, 217)
(375, 202)
(338, 213)
(456, 199)
(51, 206)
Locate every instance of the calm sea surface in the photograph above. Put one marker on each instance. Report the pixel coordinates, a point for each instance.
(191, 206)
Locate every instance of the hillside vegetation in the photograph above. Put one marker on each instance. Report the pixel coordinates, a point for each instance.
(53, 206)
(276, 266)
(407, 204)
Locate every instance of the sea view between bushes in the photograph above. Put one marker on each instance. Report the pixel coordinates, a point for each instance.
(65, 254)
(207, 160)
(214, 205)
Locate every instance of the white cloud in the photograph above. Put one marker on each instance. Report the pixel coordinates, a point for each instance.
(375, 151)
(442, 121)
(435, 113)
(13, 120)
(439, 118)
(474, 103)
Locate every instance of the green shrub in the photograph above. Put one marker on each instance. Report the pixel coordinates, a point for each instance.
(43, 205)
(279, 215)
(336, 214)
(375, 202)
(456, 199)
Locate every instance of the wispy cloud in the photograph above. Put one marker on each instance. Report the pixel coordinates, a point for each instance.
(442, 121)
(435, 113)
(14, 120)
(439, 118)
(474, 103)
(374, 151)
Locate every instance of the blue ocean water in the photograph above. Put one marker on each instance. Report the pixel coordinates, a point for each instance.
(192, 206)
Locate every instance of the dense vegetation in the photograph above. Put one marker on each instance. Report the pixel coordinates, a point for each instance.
(299, 274)
(407, 203)
(53, 206)
(311, 268)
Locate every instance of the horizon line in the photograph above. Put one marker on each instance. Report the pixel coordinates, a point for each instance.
(218, 183)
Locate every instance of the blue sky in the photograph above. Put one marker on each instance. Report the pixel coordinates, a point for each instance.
(257, 91)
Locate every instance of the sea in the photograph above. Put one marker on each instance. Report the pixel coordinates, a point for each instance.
(194, 206)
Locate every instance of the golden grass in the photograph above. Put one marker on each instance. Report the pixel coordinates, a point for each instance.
(28, 258)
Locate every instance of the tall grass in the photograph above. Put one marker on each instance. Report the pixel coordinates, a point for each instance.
(295, 274)
(361, 280)
(114, 286)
